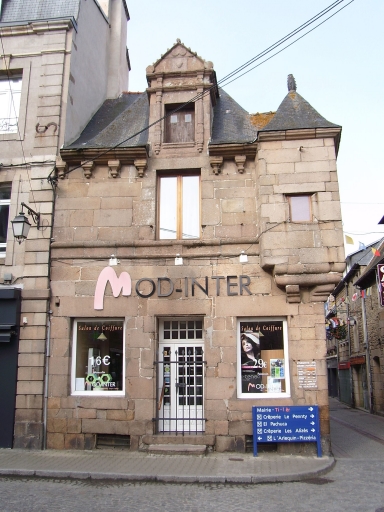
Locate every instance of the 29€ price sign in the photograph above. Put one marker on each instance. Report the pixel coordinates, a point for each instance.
(380, 276)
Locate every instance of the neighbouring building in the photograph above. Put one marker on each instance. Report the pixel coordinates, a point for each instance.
(355, 332)
(59, 61)
(194, 248)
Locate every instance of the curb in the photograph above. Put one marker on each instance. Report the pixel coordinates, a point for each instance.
(185, 479)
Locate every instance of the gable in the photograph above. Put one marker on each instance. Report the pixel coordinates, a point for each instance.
(179, 59)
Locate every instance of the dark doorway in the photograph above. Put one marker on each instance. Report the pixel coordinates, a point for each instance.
(10, 299)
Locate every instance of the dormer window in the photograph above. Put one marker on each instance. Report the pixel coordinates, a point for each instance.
(179, 125)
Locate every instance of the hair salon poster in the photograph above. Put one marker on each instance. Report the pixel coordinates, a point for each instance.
(262, 363)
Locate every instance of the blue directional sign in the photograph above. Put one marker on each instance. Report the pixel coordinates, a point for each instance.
(286, 424)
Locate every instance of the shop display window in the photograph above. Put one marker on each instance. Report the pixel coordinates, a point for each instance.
(262, 349)
(98, 362)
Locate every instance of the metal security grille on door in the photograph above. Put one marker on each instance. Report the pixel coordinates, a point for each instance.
(180, 370)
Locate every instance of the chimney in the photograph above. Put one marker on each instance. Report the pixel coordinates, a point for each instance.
(118, 67)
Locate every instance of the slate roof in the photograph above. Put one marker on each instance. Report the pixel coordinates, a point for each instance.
(295, 113)
(118, 119)
(369, 276)
(115, 121)
(17, 11)
(231, 123)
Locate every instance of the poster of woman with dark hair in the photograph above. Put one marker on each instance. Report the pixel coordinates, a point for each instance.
(262, 357)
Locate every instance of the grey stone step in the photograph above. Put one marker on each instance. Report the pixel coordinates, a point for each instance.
(177, 449)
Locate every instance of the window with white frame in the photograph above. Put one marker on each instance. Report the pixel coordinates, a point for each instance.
(10, 94)
(5, 201)
(98, 357)
(179, 206)
(262, 358)
(300, 209)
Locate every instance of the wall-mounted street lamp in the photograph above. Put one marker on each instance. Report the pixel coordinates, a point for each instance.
(21, 225)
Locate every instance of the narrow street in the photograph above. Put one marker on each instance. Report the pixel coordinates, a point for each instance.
(355, 484)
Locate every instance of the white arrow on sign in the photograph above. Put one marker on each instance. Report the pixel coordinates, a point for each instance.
(313, 430)
(312, 422)
(310, 408)
(259, 438)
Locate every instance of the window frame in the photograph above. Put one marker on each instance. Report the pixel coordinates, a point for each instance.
(23, 71)
(179, 175)
(291, 208)
(255, 324)
(9, 95)
(168, 109)
(96, 392)
(5, 202)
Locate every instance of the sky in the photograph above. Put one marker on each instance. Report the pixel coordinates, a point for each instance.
(338, 69)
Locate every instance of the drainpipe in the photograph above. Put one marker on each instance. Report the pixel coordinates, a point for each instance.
(367, 354)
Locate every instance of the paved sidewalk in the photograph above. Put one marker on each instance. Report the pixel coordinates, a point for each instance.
(137, 466)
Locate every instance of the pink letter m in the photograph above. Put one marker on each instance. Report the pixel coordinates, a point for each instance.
(117, 284)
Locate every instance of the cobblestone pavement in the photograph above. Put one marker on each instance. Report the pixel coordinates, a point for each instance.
(355, 484)
(351, 486)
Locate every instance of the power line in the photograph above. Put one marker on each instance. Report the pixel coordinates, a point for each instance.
(229, 76)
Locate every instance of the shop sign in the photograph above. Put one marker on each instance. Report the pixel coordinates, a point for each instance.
(380, 277)
(357, 360)
(164, 286)
(344, 366)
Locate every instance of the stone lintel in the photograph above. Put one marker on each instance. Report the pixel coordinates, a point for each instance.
(309, 133)
(231, 151)
(126, 156)
(308, 280)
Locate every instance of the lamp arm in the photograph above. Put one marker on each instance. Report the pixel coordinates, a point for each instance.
(35, 215)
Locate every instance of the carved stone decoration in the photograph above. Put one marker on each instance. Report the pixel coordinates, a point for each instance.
(87, 169)
(114, 168)
(61, 169)
(291, 83)
(141, 165)
(216, 163)
(240, 162)
(293, 293)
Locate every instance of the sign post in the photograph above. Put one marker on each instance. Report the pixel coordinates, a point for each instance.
(281, 424)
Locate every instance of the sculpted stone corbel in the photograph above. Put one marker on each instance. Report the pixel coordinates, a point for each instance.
(216, 163)
(293, 293)
(240, 162)
(141, 165)
(114, 168)
(61, 168)
(87, 169)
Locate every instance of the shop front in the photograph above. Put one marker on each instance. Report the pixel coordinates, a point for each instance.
(189, 358)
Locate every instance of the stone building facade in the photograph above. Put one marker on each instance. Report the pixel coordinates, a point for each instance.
(194, 247)
(355, 334)
(53, 76)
